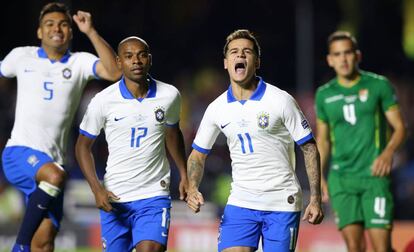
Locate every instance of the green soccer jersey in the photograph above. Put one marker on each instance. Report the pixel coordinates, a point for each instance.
(355, 115)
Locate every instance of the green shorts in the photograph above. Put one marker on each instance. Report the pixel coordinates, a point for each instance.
(361, 200)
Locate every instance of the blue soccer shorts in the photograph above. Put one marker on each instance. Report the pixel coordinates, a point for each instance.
(20, 165)
(244, 227)
(132, 222)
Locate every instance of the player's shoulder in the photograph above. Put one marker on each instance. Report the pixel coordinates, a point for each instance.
(165, 87)
(374, 78)
(277, 95)
(22, 51)
(326, 87)
(109, 92)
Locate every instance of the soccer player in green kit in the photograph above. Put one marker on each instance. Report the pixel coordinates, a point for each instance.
(354, 112)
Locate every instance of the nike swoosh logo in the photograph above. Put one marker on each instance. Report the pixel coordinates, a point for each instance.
(28, 70)
(223, 126)
(119, 119)
(164, 234)
(41, 207)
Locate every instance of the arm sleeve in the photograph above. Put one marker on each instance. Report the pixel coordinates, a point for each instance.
(319, 108)
(295, 122)
(388, 95)
(207, 132)
(93, 120)
(173, 112)
(89, 62)
(8, 67)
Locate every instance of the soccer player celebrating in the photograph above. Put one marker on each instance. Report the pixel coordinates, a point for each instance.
(353, 113)
(50, 80)
(140, 116)
(261, 123)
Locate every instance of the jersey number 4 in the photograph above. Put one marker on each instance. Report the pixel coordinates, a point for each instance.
(349, 113)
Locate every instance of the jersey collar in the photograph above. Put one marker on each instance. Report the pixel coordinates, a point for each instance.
(152, 89)
(256, 96)
(42, 54)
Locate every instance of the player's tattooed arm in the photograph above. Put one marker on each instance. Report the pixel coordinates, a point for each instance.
(195, 169)
(312, 163)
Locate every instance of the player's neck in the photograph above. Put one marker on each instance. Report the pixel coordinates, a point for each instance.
(349, 81)
(54, 53)
(243, 91)
(138, 89)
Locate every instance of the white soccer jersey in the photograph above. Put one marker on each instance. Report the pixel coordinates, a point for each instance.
(260, 134)
(137, 166)
(48, 94)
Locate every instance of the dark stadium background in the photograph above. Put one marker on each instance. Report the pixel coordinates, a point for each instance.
(186, 39)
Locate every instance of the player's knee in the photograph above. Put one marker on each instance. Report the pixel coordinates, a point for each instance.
(42, 245)
(57, 178)
(149, 246)
(49, 188)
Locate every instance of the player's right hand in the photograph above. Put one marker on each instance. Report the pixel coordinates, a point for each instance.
(324, 190)
(103, 200)
(195, 200)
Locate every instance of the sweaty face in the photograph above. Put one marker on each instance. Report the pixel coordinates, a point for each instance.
(241, 61)
(343, 58)
(55, 31)
(134, 60)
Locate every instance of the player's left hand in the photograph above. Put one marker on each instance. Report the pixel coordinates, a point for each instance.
(183, 188)
(382, 164)
(84, 22)
(313, 213)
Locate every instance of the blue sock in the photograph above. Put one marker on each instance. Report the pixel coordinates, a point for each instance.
(20, 248)
(36, 210)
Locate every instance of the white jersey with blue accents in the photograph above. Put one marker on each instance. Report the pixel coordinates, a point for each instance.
(260, 134)
(48, 94)
(137, 166)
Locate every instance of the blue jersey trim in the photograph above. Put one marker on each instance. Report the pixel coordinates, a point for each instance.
(42, 54)
(1, 74)
(199, 149)
(94, 69)
(256, 96)
(305, 139)
(87, 134)
(152, 89)
(175, 125)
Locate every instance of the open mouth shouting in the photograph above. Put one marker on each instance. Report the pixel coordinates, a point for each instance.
(240, 68)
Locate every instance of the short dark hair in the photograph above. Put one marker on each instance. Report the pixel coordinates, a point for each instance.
(55, 7)
(242, 34)
(342, 35)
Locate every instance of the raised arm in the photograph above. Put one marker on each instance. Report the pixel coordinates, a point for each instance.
(313, 212)
(324, 147)
(383, 164)
(195, 166)
(175, 146)
(106, 68)
(87, 165)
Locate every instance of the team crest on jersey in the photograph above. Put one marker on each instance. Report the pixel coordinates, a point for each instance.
(263, 120)
(33, 160)
(363, 95)
(103, 244)
(67, 73)
(159, 114)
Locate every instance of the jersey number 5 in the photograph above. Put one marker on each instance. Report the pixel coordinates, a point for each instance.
(47, 87)
(349, 113)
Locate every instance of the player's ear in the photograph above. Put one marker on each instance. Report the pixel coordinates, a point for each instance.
(358, 55)
(329, 60)
(118, 62)
(39, 33)
(225, 63)
(257, 65)
(150, 59)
